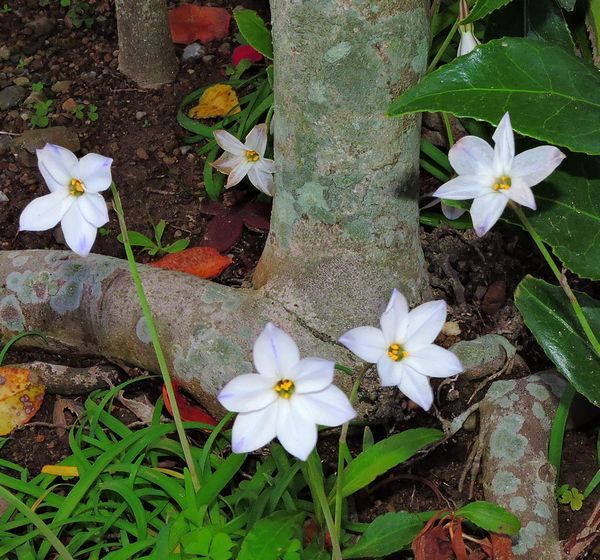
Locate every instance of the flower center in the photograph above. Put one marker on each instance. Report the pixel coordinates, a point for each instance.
(252, 156)
(76, 187)
(285, 388)
(396, 352)
(503, 184)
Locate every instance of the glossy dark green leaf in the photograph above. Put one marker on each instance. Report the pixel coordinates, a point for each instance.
(484, 7)
(550, 317)
(566, 4)
(384, 455)
(271, 536)
(253, 29)
(490, 517)
(550, 94)
(387, 534)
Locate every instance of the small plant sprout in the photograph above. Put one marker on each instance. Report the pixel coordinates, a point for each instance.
(403, 348)
(153, 247)
(240, 159)
(468, 41)
(40, 119)
(494, 176)
(74, 200)
(287, 398)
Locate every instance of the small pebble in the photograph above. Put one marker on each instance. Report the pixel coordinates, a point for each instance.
(140, 115)
(193, 51)
(141, 154)
(208, 58)
(451, 328)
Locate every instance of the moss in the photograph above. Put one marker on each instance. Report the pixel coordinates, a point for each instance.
(11, 315)
(506, 443)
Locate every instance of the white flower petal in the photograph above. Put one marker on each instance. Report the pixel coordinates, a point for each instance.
(417, 388)
(451, 212)
(424, 324)
(230, 143)
(78, 232)
(257, 139)
(472, 155)
(46, 211)
(238, 173)
(504, 149)
(368, 343)
(295, 431)
(266, 165)
(465, 187)
(261, 180)
(329, 407)
(434, 361)
(390, 372)
(93, 208)
(253, 430)
(249, 392)
(227, 162)
(533, 166)
(394, 319)
(520, 193)
(486, 210)
(467, 43)
(94, 172)
(312, 374)
(56, 165)
(275, 353)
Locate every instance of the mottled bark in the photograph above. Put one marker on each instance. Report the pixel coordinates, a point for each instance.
(146, 52)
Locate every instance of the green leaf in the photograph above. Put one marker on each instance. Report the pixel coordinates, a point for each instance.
(159, 229)
(137, 239)
(384, 455)
(483, 8)
(490, 517)
(385, 535)
(253, 29)
(220, 478)
(271, 536)
(177, 246)
(549, 316)
(517, 75)
(566, 4)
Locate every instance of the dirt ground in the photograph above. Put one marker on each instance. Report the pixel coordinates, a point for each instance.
(160, 177)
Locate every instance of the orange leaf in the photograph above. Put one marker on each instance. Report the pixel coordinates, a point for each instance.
(189, 413)
(21, 395)
(219, 100)
(190, 22)
(205, 262)
(502, 546)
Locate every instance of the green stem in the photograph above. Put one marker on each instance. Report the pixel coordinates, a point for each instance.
(448, 129)
(562, 280)
(339, 499)
(443, 48)
(557, 434)
(162, 362)
(311, 473)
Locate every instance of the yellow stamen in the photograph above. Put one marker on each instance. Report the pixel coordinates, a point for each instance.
(252, 156)
(396, 352)
(503, 184)
(285, 388)
(76, 187)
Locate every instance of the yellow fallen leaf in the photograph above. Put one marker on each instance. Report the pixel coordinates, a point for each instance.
(219, 100)
(60, 470)
(170, 472)
(21, 395)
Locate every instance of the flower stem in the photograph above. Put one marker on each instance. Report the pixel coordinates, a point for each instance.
(311, 472)
(443, 48)
(562, 279)
(164, 370)
(339, 499)
(448, 129)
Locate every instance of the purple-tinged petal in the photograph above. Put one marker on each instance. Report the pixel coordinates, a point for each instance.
(504, 149)
(261, 180)
(45, 212)
(227, 162)
(417, 388)
(520, 193)
(394, 318)
(93, 170)
(257, 139)
(78, 232)
(275, 353)
(238, 173)
(390, 372)
(368, 343)
(424, 324)
(329, 407)
(93, 208)
(57, 165)
(486, 211)
(465, 187)
(533, 166)
(296, 432)
(434, 361)
(249, 392)
(472, 156)
(230, 143)
(312, 374)
(451, 212)
(253, 430)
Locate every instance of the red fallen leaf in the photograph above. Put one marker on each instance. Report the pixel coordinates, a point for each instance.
(502, 547)
(189, 23)
(245, 51)
(433, 542)
(204, 262)
(188, 412)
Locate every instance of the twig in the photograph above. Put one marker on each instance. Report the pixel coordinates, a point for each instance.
(576, 545)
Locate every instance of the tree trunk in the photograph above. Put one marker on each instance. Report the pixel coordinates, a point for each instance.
(146, 51)
(344, 228)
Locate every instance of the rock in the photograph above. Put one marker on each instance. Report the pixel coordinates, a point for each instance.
(11, 96)
(140, 115)
(193, 51)
(5, 143)
(3, 197)
(21, 81)
(451, 328)
(494, 297)
(483, 356)
(141, 153)
(69, 105)
(4, 52)
(24, 146)
(35, 97)
(208, 58)
(61, 87)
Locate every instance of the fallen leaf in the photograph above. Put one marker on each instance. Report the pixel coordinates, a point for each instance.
(204, 262)
(190, 22)
(140, 406)
(60, 470)
(502, 547)
(21, 395)
(219, 100)
(245, 52)
(433, 542)
(189, 412)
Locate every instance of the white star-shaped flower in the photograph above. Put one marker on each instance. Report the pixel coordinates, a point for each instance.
(403, 348)
(240, 159)
(468, 41)
(493, 176)
(74, 200)
(287, 398)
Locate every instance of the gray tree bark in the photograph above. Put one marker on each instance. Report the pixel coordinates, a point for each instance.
(344, 227)
(146, 51)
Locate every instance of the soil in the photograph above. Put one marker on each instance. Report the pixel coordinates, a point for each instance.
(160, 177)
